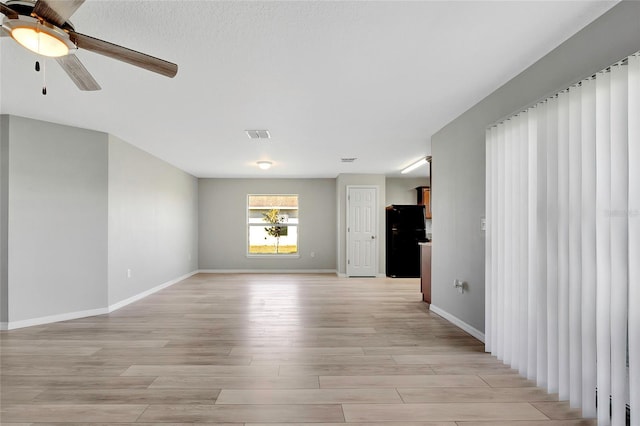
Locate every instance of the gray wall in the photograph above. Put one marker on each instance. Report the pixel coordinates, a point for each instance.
(341, 184)
(223, 228)
(153, 221)
(458, 193)
(57, 219)
(77, 209)
(403, 190)
(4, 211)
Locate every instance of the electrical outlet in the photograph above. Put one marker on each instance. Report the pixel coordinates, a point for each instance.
(483, 224)
(128, 273)
(312, 254)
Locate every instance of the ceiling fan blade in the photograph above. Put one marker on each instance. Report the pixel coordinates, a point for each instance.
(8, 12)
(124, 54)
(78, 73)
(56, 11)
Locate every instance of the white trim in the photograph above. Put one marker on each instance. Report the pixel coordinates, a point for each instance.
(12, 325)
(149, 292)
(267, 271)
(458, 322)
(273, 256)
(297, 224)
(365, 276)
(341, 275)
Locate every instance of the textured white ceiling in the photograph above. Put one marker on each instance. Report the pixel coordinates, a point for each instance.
(372, 80)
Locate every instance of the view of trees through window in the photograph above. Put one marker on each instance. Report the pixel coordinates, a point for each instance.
(273, 224)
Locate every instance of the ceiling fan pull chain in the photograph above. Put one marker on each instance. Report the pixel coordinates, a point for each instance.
(44, 66)
(44, 77)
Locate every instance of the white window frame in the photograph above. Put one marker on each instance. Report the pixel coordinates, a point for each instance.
(249, 225)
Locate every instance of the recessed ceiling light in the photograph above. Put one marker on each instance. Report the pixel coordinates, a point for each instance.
(264, 165)
(258, 134)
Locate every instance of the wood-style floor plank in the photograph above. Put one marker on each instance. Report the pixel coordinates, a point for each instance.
(258, 349)
(71, 413)
(243, 413)
(451, 411)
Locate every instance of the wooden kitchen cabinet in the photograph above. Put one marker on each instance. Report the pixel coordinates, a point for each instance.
(425, 272)
(424, 199)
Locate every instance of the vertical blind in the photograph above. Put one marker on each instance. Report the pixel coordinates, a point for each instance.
(563, 243)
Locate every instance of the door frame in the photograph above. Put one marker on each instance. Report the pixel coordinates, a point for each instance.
(376, 256)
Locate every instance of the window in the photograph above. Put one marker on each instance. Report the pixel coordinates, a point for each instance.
(273, 224)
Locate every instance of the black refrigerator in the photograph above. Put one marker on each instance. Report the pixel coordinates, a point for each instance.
(405, 229)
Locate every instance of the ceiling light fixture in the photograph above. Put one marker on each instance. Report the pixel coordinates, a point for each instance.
(264, 165)
(39, 37)
(414, 166)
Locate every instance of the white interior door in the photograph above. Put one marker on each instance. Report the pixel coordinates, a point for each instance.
(362, 231)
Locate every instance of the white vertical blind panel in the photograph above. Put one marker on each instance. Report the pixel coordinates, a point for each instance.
(619, 242)
(515, 241)
(488, 332)
(603, 245)
(508, 282)
(501, 240)
(542, 347)
(517, 268)
(533, 277)
(523, 328)
(552, 245)
(563, 245)
(634, 238)
(513, 285)
(574, 295)
(493, 228)
(588, 253)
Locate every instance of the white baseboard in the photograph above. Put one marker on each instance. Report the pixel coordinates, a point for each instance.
(341, 275)
(149, 292)
(12, 325)
(458, 322)
(267, 271)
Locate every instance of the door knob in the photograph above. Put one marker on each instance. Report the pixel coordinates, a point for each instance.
(373, 237)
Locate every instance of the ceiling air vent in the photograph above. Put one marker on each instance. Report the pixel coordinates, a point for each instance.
(258, 134)
(348, 159)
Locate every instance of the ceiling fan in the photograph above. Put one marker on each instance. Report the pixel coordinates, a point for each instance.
(43, 27)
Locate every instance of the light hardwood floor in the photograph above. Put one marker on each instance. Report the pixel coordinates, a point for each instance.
(264, 349)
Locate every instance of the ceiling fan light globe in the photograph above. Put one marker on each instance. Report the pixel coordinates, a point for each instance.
(40, 42)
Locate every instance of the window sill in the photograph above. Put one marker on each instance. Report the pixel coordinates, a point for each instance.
(273, 256)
